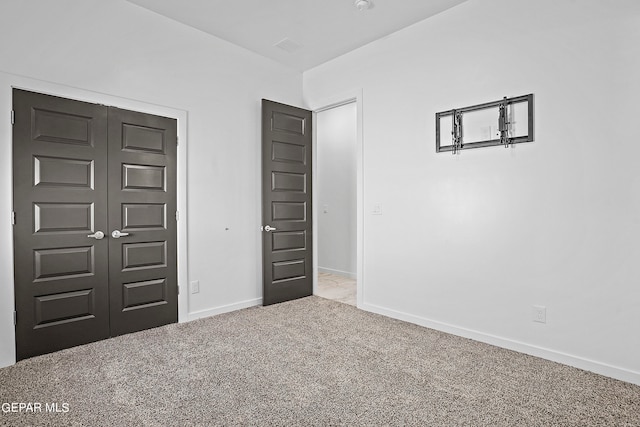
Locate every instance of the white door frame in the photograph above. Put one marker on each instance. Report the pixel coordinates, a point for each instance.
(7, 83)
(326, 104)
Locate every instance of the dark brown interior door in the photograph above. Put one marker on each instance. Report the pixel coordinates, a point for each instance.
(81, 172)
(286, 203)
(142, 206)
(60, 198)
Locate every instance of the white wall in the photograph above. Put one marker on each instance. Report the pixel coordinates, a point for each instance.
(469, 243)
(122, 50)
(335, 189)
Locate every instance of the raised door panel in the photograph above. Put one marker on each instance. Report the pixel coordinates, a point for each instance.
(288, 241)
(144, 139)
(143, 177)
(63, 218)
(63, 173)
(144, 216)
(63, 263)
(64, 127)
(289, 152)
(63, 308)
(145, 294)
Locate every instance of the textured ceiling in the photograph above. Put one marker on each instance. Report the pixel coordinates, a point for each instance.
(311, 31)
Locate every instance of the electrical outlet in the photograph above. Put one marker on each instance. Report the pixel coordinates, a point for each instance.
(539, 314)
(195, 286)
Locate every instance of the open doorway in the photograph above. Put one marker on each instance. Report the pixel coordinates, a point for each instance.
(336, 202)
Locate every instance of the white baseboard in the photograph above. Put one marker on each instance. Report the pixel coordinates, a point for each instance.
(337, 272)
(223, 309)
(521, 347)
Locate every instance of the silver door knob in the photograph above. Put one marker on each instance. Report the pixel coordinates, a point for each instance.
(98, 235)
(116, 234)
(268, 228)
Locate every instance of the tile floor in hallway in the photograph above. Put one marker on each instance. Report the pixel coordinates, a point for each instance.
(338, 288)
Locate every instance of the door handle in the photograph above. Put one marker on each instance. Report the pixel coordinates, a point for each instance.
(268, 228)
(118, 234)
(98, 235)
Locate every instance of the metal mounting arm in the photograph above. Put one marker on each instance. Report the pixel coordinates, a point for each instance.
(503, 124)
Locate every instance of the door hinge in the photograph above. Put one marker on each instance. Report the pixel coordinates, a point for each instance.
(13, 117)
(177, 140)
(13, 218)
(177, 215)
(178, 289)
(15, 318)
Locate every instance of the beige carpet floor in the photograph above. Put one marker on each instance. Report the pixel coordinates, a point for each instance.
(310, 362)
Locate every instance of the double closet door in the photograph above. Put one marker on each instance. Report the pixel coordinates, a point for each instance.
(95, 235)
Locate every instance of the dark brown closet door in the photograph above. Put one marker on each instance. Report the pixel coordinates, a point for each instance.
(95, 233)
(60, 199)
(142, 206)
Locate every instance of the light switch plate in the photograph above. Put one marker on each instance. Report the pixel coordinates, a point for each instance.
(195, 286)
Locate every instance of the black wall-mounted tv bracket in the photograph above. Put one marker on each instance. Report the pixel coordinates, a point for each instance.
(504, 125)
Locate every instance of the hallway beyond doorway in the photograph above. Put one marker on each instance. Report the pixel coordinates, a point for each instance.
(337, 288)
